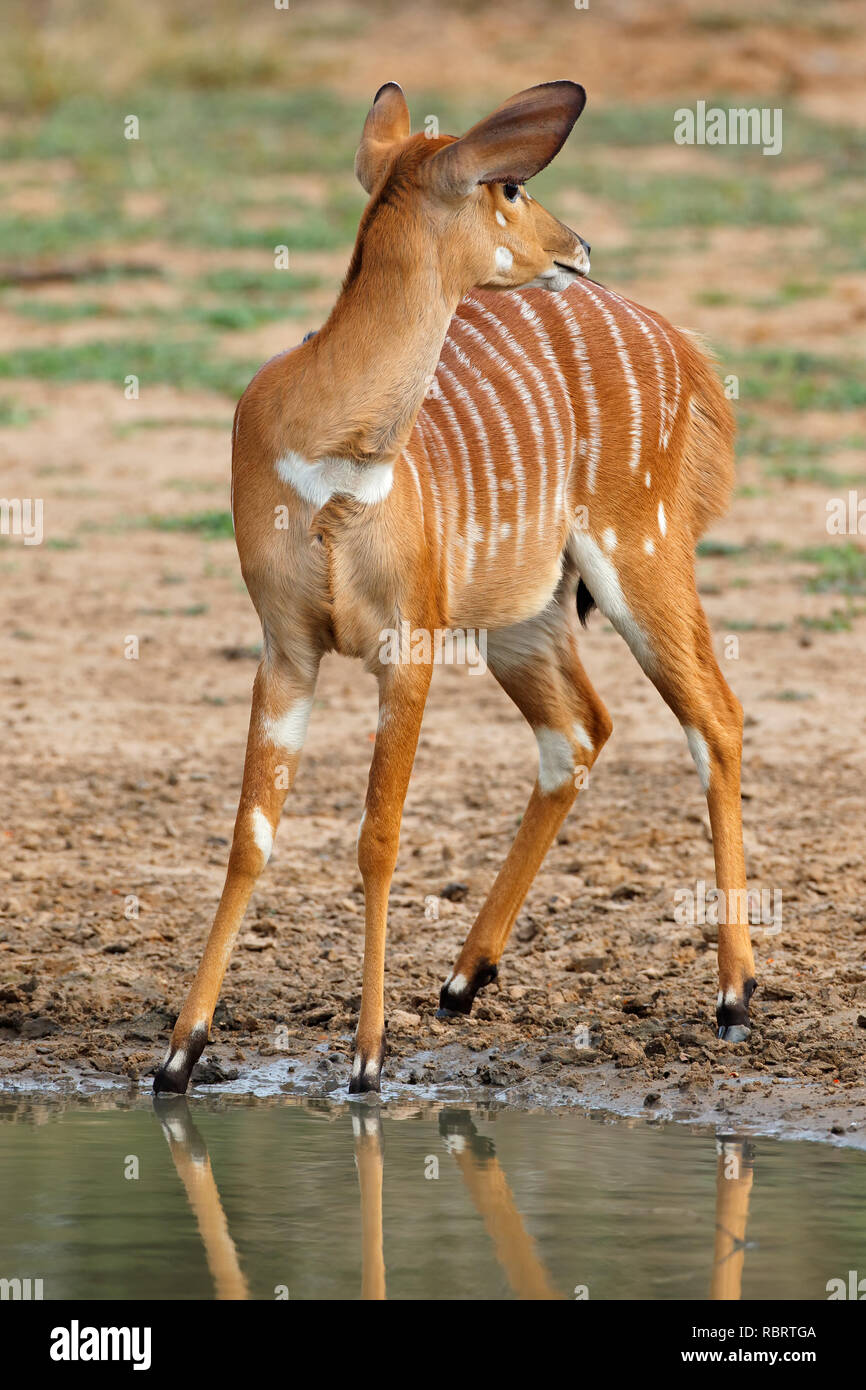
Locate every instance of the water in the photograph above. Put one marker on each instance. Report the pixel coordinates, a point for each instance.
(236, 1197)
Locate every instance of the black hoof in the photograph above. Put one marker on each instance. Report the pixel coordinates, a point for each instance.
(733, 1018)
(173, 1076)
(366, 1071)
(456, 1002)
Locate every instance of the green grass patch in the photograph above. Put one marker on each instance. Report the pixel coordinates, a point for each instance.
(211, 526)
(841, 568)
(801, 380)
(188, 365)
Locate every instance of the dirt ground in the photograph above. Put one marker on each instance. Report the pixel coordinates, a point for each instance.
(121, 777)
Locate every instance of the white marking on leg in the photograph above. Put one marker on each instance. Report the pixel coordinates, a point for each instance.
(582, 736)
(701, 754)
(732, 997)
(288, 730)
(720, 999)
(458, 985)
(600, 577)
(262, 832)
(555, 759)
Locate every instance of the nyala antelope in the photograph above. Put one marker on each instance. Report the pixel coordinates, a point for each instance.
(479, 437)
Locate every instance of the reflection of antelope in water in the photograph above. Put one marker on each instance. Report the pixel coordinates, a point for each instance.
(369, 1161)
(487, 1186)
(733, 1185)
(494, 1201)
(190, 1155)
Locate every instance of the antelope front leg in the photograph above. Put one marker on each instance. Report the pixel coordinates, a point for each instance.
(402, 696)
(282, 700)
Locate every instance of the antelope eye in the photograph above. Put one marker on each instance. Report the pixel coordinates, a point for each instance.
(511, 191)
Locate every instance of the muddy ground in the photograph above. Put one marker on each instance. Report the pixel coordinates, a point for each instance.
(120, 776)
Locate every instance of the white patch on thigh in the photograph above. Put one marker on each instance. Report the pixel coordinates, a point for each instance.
(701, 754)
(555, 759)
(600, 576)
(262, 833)
(288, 730)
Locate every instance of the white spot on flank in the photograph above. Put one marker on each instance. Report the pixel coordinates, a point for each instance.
(608, 538)
(500, 218)
(288, 730)
(504, 259)
(701, 754)
(599, 574)
(505, 530)
(663, 524)
(317, 481)
(555, 759)
(649, 546)
(262, 833)
(647, 479)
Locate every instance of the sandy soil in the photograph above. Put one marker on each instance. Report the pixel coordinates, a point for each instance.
(121, 777)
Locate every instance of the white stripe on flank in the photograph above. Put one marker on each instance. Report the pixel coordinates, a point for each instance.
(523, 391)
(519, 471)
(490, 469)
(434, 491)
(504, 420)
(414, 471)
(663, 521)
(566, 452)
(672, 410)
(442, 468)
(628, 371)
(581, 357)
(644, 326)
(471, 528)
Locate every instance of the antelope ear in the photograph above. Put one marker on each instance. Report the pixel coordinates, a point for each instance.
(387, 123)
(512, 144)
